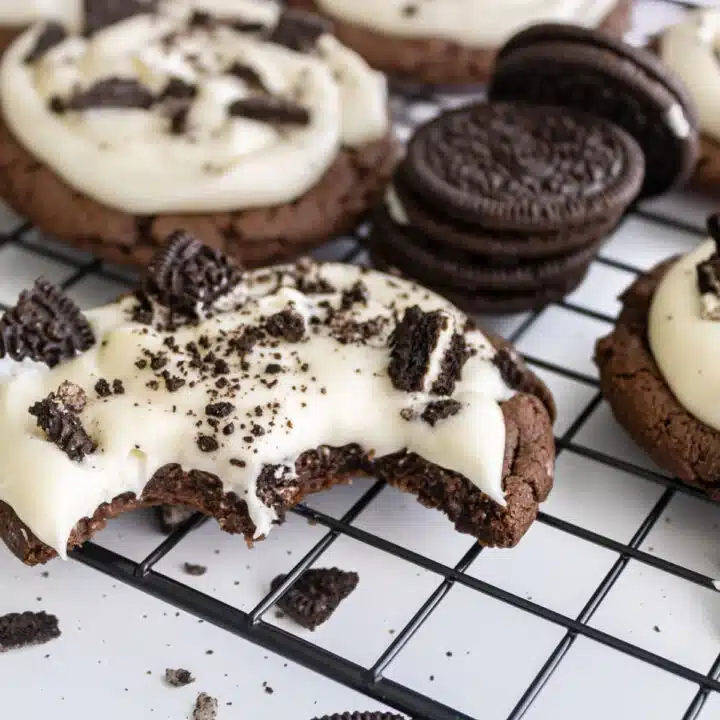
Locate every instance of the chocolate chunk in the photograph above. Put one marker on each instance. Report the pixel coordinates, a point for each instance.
(247, 74)
(288, 324)
(440, 410)
(299, 30)
(100, 14)
(413, 343)
(219, 409)
(179, 677)
(315, 595)
(358, 293)
(194, 570)
(362, 716)
(206, 708)
(113, 92)
(21, 630)
(61, 424)
(52, 34)
(269, 109)
(45, 326)
(187, 276)
(510, 371)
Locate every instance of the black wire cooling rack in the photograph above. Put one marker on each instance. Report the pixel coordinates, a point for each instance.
(371, 680)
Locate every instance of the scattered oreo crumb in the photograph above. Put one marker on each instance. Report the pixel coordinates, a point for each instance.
(27, 629)
(440, 410)
(656, 628)
(315, 595)
(206, 708)
(288, 324)
(299, 30)
(179, 677)
(194, 570)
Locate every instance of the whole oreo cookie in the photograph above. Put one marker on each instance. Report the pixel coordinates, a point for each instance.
(586, 69)
(502, 207)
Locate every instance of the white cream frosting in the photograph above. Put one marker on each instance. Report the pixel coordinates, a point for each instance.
(479, 23)
(330, 393)
(129, 160)
(691, 48)
(686, 347)
(27, 12)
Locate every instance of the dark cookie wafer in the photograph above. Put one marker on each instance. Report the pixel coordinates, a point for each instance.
(586, 69)
(313, 598)
(522, 167)
(21, 630)
(437, 61)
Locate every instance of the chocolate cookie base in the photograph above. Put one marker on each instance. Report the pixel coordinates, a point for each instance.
(436, 61)
(643, 403)
(527, 479)
(257, 237)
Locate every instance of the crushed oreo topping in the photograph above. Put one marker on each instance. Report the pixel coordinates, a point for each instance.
(45, 325)
(413, 343)
(206, 708)
(113, 92)
(178, 89)
(511, 372)
(299, 30)
(270, 109)
(100, 14)
(21, 630)
(315, 595)
(179, 677)
(52, 34)
(194, 570)
(440, 410)
(287, 324)
(219, 409)
(60, 422)
(708, 275)
(186, 275)
(358, 293)
(247, 74)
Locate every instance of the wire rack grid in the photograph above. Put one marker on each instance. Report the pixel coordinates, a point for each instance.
(675, 225)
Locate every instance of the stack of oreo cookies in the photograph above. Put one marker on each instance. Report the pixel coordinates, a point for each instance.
(501, 207)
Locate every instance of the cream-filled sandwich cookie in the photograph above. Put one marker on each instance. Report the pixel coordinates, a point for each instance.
(253, 127)
(659, 367)
(239, 393)
(452, 41)
(691, 48)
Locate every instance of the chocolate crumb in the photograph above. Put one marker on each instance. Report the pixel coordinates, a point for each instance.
(288, 324)
(102, 388)
(273, 368)
(440, 410)
(194, 570)
(299, 30)
(315, 595)
(358, 293)
(118, 387)
(219, 409)
(207, 444)
(21, 630)
(179, 677)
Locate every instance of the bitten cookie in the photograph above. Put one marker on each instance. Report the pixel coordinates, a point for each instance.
(451, 41)
(502, 207)
(239, 393)
(591, 71)
(690, 49)
(257, 130)
(659, 369)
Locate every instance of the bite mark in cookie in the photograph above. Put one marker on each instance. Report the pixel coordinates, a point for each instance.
(248, 377)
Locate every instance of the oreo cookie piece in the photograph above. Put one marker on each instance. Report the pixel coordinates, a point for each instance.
(100, 14)
(113, 92)
(269, 109)
(586, 69)
(315, 595)
(299, 30)
(21, 630)
(502, 207)
(187, 276)
(51, 34)
(45, 325)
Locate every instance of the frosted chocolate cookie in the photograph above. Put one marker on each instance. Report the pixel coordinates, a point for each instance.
(238, 393)
(691, 49)
(501, 207)
(252, 127)
(452, 41)
(658, 368)
(588, 70)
